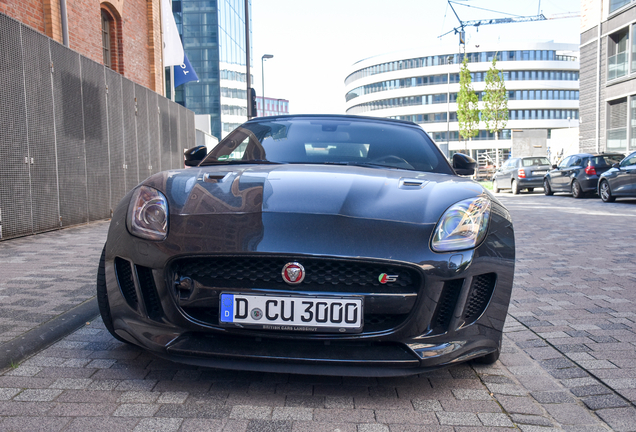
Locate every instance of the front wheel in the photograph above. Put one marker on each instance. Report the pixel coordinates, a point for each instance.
(515, 188)
(102, 297)
(490, 358)
(495, 186)
(546, 187)
(576, 190)
(605, 192)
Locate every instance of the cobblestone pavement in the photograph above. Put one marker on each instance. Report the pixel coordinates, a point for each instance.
(47, 274)
(569, 360)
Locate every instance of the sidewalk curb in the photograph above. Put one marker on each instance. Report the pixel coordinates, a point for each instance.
(39, 338)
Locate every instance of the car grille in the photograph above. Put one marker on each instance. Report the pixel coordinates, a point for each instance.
(266, 272)
(479, 296)
(145, 281)
(323, 275)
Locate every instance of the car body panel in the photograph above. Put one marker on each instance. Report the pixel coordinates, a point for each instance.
(232, 228)
(622, 177)
(572, 168)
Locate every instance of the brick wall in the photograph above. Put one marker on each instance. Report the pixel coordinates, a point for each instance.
(138, 31)
(29, 12)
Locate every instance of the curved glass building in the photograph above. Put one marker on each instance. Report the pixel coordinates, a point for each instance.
(542, 81)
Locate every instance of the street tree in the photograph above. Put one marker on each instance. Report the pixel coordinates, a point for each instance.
(467, 104)
(495, 109)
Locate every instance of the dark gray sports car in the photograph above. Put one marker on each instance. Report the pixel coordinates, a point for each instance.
(334, 245)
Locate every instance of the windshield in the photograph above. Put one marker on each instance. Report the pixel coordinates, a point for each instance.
(535, 161)
(330, 141)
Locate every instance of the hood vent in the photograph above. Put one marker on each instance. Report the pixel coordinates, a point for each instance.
(407, 183)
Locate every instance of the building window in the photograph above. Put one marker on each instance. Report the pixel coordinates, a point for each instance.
(617, 4)
(618, 56)
(106, 24)
(617, 125)
(111, 39)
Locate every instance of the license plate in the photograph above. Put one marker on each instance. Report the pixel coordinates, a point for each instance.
(302, 314)
(539, 172)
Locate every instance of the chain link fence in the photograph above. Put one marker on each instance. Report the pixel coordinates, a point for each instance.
(75, 136)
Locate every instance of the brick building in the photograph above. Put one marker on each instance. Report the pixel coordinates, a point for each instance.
(124, 35)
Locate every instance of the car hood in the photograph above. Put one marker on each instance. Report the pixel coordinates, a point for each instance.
(351, 191)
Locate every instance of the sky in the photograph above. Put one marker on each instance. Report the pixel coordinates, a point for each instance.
(315, 42)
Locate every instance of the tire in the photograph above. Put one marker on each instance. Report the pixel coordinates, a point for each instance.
(491, 357)
(102, 297)
(546, 187)
(576, 190)
(495, 187)
(605, 192)
(515, 188)
(530, 189)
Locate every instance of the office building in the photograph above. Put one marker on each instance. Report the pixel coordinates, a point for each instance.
(272, 106)
(213, 35)
(608, 76)
(542, 81)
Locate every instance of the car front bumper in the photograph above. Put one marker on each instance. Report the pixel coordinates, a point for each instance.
(458, 311)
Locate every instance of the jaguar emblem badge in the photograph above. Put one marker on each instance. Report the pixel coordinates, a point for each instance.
(293, 273)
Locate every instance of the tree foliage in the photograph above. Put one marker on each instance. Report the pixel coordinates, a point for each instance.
(495, 112)
(467, 104)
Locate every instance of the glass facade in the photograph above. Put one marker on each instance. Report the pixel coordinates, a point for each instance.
(439, 98)
(213, 33)
(535, 75)
(475, 57)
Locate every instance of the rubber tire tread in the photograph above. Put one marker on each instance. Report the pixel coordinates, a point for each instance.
(580, 193)
(610, 198)
(102, 297)
(495, 189)
(547, 190)
(515, 187)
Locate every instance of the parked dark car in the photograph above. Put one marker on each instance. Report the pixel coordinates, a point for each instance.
(335, 245)
(578, 174)
(619, 181)
(521, 173)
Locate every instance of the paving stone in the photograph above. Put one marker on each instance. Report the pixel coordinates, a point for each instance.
(552, 397)
(619, 419)
(269, 426)
(457, 418)
(34, 424)
(570, 413)
(37, 395)
(495, 420)
(136, 410)
(605, 401)
(158, 425)
(535, 420)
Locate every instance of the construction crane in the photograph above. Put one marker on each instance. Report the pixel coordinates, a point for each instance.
(507, 20)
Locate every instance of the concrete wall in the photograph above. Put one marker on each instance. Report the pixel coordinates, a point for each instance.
(563, 142)
(529, 142)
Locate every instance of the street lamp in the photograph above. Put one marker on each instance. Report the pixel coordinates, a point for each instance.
(449, 61)
(265, 56)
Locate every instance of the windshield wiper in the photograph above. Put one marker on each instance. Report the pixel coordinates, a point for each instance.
(241, 162)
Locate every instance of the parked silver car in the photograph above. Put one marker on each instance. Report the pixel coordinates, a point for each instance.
(521, 173)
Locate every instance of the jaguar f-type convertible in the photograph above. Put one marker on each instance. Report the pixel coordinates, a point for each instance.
(335, 245)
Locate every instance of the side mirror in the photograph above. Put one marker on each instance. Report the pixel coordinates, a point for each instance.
(463, 164)
(195, 155)
(554, 167)
(616, 165)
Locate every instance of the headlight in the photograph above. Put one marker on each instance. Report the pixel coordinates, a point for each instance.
(462, 226)
(148, 214)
